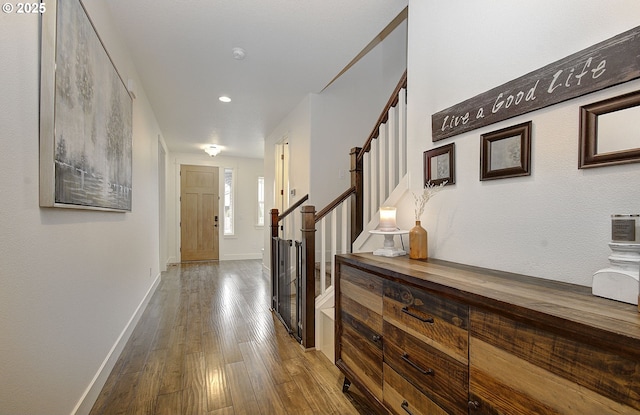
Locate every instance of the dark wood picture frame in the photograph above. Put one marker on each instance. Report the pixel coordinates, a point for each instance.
(439, 165)
(588, 143)
(500, 158)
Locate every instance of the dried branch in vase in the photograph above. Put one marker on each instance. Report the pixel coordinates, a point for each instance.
(421, 200)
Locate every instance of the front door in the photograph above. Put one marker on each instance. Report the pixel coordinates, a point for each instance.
(199, 213)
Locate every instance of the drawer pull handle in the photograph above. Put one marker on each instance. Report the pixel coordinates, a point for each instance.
(424, 320)
(376, 338)
(405, 357)
(405, 405)
(474, 405)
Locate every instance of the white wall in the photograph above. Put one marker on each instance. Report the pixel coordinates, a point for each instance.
(556, 223)
(325, 126)
(296, 129)
(247, 241)
(71, 280)
(343, 115)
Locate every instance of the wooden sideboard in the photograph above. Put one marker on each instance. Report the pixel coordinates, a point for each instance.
(434, 338)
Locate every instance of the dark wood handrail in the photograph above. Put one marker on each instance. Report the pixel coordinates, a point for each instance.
(324, 212)
(293, 207)
(384, 116)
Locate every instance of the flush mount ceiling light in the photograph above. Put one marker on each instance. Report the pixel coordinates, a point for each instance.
(224, 98)
(212, 150)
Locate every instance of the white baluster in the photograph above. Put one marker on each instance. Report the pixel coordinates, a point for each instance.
(334, 241)
(374, 177)
(382, 160)
(402, 132)
(392, 156)
(323, 254)
(345, 228)
(366, 187)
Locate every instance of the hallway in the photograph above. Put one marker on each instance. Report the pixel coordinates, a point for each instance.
(208, 344)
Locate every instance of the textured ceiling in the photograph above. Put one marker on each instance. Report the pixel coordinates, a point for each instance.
(182, 50)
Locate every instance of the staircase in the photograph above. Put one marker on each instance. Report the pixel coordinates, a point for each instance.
(378, 178)
(379, 175)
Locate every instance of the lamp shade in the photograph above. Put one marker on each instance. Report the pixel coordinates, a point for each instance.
(387, 219)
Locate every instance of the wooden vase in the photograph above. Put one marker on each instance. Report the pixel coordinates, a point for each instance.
(418, 244)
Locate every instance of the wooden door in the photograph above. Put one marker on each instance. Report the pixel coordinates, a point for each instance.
(199, 217)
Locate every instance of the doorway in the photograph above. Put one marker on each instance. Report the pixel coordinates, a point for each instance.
(282, 190)
(199, 217)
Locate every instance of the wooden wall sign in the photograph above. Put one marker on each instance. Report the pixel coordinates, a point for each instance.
(605, 64)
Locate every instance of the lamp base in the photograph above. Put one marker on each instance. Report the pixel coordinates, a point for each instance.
(620, 281)
(388, 248)
(390, 252)
(616, 284)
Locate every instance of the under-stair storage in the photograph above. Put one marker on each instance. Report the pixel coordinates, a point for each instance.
(441, 338)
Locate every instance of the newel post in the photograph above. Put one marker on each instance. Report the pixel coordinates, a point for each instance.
(357, 208)
(309, 281)
(275, 219)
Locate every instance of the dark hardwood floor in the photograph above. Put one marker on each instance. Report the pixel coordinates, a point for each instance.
(208, 344)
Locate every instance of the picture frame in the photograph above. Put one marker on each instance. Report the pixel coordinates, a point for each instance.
(86, 116)
(506, 152)
(439, 165)
(610, 132)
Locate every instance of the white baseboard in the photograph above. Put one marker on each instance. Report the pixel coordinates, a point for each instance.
(88, 399)
(235, 257)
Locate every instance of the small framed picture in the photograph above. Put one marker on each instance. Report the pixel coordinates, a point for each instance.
(506, 152)
(439, 165)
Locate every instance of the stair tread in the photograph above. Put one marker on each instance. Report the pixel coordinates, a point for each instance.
(329, 312)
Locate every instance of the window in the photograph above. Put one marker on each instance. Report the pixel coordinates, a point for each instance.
(260, 201)
(228, 201)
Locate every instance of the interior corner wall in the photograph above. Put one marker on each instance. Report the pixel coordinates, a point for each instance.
(554, 224)
(246, 243)
(325, 126)
(343, 115)
(296, 129)
(71, 280)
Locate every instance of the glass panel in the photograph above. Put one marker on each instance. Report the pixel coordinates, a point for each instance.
(260, 201)
(228, 201)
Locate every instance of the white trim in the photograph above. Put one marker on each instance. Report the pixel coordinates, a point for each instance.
(325, 301)
(90, 395)
(234, 257)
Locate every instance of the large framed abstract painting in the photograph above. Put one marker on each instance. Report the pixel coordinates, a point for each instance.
(85, 116)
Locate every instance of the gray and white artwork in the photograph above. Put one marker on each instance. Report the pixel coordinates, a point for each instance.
(440, 167)
(506, 153)
(93, 118)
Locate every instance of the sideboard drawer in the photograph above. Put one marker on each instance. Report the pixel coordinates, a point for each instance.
(402, 398)
(362, 287)
(360, 335)
(439, 322)
(516, 365)
(441, 378)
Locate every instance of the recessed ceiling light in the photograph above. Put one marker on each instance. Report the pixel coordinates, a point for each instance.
(224, 98)
(238, 53)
